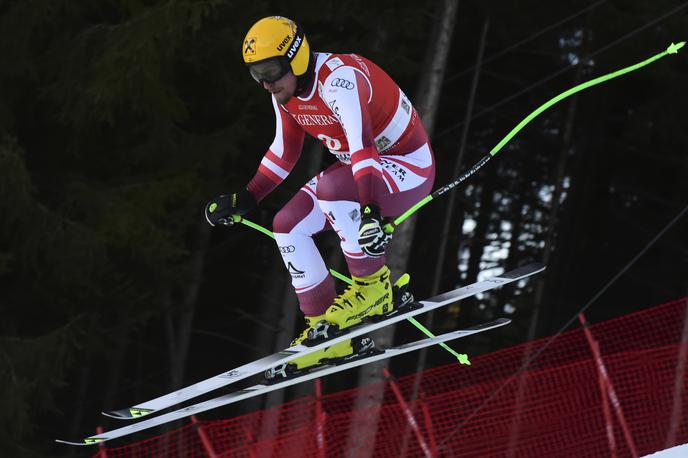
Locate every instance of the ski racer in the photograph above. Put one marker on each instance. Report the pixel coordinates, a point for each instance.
(385, 165)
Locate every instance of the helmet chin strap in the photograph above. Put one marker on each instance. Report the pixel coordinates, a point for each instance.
(303, 82)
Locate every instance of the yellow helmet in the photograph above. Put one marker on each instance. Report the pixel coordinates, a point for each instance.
(273, 46)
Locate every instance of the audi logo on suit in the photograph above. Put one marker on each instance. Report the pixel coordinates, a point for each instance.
(341, 82)
(287, 249)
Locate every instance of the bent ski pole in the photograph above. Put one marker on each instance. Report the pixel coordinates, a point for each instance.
(462, 358)
(672, 49)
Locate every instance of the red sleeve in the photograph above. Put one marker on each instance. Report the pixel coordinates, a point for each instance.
(280, 158)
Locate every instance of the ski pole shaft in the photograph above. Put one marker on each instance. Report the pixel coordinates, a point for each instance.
(671, 49)
(463, 359)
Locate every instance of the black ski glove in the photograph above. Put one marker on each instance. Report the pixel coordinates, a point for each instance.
(371, 235)
(220, 209)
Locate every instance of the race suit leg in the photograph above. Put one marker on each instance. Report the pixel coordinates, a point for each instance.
(294, 227)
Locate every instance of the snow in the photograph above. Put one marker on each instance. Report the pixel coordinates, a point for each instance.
(675, 452)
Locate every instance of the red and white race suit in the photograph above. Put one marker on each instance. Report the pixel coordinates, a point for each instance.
(384, 158)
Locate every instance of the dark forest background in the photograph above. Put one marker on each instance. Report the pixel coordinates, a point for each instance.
(119, 119)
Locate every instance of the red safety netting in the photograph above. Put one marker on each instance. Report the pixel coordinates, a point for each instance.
(561, 406)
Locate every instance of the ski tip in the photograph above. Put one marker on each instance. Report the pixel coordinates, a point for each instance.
(127, 414)
(87, 441)
(488, 325)
(122, 414)
(524, 271)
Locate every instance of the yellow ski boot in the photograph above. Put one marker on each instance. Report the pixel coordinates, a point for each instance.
(366, 296)
(369, 296)
(330, 355)
(337, 350)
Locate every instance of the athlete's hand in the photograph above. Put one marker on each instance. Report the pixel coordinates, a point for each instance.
(371, 235)
(220, 209)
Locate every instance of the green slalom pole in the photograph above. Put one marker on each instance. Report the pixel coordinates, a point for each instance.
(463, 359)
(672, 49)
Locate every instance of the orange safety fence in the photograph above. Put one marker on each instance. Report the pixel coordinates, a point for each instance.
(617, 391)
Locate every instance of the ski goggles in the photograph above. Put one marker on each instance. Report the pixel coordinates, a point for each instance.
(269, 70)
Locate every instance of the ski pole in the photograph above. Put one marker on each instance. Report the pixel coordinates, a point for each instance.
(462, 358)
(672, 49)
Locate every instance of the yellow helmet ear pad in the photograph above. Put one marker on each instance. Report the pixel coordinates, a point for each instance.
(277, 36)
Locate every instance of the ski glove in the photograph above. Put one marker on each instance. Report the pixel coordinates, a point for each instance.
(220, 209)
(371, 236)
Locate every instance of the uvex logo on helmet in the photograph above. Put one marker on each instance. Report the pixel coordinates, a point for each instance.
(284, 43)
(294, 47)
